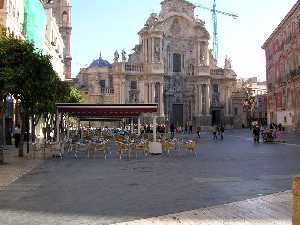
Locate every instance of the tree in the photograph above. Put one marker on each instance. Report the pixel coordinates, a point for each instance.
(27, 74)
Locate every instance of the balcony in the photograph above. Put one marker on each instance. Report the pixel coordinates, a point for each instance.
(107, 91)
(134, 68)
(217, 72)
(202, 70)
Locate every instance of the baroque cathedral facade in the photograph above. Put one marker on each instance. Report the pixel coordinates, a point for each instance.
(172, 66)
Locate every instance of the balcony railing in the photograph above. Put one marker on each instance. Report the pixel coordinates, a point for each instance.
(134, 68)
(107, 91)
(217, 72)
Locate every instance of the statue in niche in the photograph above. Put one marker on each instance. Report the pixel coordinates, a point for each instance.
(227, 65)
(123, 55)
(157, 49)
(116, 59)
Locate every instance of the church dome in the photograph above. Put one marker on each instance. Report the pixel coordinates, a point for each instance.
(99, 63)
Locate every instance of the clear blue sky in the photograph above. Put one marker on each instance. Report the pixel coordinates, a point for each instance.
(107, 25)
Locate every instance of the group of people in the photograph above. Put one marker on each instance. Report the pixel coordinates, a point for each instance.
(188, 129)
(271, 134)
(218, 131)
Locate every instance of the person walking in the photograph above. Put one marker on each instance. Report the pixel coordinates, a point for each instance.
(198, 132)
(186, 129)
(191, 129)
(256, 134)
(215, 131)
(17, 135)
(222, 130)
(172, 129)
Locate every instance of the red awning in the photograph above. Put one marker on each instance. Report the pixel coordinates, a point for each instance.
(106, 110)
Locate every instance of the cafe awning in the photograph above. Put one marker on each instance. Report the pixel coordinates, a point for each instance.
(106, 110)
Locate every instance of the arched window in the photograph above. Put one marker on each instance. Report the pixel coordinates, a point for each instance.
(65, 19)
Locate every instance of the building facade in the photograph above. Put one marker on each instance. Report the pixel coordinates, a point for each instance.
(54, 44)
(62, 12)
(171, 66)
(249, 102)
(12, 16)
(282, 69)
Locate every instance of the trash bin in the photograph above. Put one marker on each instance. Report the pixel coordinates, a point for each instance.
(1, 155)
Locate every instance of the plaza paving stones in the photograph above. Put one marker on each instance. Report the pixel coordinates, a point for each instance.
(15, 167)
(269, 210)
(98, 191)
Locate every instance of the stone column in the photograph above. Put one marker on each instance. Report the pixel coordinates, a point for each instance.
(145, 92)
(207, 99)
(296, 200)
(160, 51)
(141, 91)
(152, 50)
(200, 99)
(206, 56)
(153, 92)
(154, 128)
(198, 52)
(196, 103)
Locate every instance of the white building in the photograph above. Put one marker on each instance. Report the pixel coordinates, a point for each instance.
(54, 44)
(12, 16)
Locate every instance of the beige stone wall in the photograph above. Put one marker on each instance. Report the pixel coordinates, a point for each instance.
(172, 65)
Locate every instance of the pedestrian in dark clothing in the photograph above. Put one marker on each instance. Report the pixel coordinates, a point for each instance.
(198, 132)
(191, 129)
(222, 130)
(256, 134)
(172, 129)
(186, 129)
(17, 134)
(215, 131)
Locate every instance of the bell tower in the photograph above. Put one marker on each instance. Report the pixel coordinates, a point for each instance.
(62, 10)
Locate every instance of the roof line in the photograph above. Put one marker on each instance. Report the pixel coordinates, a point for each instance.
(290, 13)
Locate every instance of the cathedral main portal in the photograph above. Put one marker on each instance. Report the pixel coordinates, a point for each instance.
(177, 115)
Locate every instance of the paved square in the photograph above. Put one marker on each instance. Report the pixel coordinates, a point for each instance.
(103, 192)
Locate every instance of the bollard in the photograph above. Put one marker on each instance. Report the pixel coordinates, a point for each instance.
(296, 200)
(1, 155)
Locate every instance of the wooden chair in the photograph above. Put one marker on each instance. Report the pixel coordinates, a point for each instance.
(101, 148)
(190, 147)
(123, 149)
(141, 147)
(56, 149)
(91, 149)
(36, 148)
(168, 146)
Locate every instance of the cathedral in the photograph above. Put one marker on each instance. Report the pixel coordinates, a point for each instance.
(172, 66)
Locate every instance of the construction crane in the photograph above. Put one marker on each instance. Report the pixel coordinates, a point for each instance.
(215, 25)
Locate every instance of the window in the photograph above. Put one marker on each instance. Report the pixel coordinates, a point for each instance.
(236, 111)
(298, 23)
(216, 88)
(176, 63)
(1, 4)
(65, 19)
(102, 83)
(133, 85)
